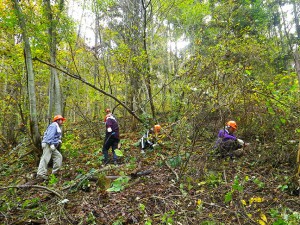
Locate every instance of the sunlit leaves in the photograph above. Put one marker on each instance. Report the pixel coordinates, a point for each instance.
(236, 185)
(263, 219)
(119, 152)
(255, 200)
(243, 202)
(8, 20)
(228, 197)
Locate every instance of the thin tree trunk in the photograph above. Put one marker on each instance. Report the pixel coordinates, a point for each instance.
(147, 63)
(35, 135)
(55, 99)
(296, 9)
(296, 53)
(96, 66)
(297, 65)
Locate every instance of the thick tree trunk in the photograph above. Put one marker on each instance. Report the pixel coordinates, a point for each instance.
(35, 135)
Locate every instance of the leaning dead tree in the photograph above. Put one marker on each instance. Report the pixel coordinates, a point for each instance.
(77, 77)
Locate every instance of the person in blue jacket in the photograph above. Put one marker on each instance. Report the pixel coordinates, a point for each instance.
(51, 143)
(112, 136)
(227, 143)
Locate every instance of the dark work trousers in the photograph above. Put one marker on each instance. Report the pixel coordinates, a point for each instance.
(227, 147)
(112, 142)
(145, 144)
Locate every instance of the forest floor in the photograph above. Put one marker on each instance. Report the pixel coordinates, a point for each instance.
(164, 186)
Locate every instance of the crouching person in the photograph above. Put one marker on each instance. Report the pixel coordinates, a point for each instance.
(149, 139)
(227, 143)
(51, 144)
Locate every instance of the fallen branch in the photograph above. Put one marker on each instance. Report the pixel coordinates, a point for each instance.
(132, 175)
(132, 183)
(28, 221)
(167, 164)
(89, 176)
(34, 186)
(22, 156)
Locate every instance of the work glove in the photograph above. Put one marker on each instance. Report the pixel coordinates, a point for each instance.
(52, 147)
(154, 145)
(43, 144)
(109, 130)
(241, 142)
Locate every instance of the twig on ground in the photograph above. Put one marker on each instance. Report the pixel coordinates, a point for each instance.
(34, 186)
(224, 173)
(237, 215)
(132, 184)
(167, 164)
(68, 217)
(88, 176)
(22, 156)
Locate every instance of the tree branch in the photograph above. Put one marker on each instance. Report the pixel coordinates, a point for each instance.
(34, 186)
(167, 164)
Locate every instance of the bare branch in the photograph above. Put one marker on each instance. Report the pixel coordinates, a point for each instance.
(34, 186)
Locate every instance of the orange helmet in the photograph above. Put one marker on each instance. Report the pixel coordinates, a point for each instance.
(232, 124)
(157, 128)
(107, 110)
(58, 117)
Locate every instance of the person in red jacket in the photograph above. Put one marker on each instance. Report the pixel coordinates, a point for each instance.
(112, 136)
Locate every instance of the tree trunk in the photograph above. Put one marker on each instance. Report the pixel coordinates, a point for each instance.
(296, 53)
(297, 65)
(55, 99)
(147, 63)
(296, 9)
(96, 66)
(35, 135)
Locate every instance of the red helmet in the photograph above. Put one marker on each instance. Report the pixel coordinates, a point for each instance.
(58, 117)
(232, 124)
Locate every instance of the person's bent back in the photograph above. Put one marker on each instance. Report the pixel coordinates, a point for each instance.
(227, 143)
